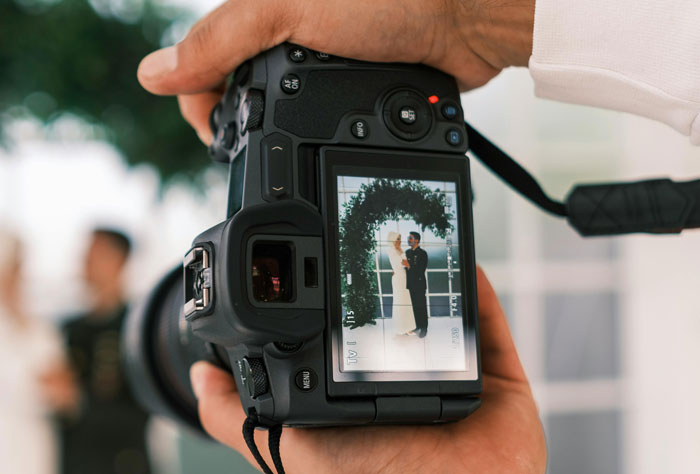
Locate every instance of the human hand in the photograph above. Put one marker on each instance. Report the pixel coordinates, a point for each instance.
(473, 40)
(405, 263)
(60, 390)
(504, 435)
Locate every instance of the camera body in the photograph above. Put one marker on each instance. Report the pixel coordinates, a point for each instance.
(307, 292)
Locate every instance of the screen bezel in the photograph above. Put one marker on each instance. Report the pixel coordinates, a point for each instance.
(336, 162)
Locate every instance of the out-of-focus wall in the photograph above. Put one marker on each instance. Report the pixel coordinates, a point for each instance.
(607, 328)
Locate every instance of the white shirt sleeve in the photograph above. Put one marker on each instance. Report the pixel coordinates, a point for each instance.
(638, 56)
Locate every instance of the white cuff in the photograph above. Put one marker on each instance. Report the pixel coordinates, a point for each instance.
(638, 56)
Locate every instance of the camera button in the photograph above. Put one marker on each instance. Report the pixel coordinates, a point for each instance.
(323, 56)
(408, 115)
(306, 380)
(228, 135)
(454, 137)
(291, 84)
(297, 55)
(360, 129)
(450, 111)
(276, 167)
(214, 117)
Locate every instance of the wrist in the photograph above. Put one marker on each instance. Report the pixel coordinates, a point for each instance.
(499, 32)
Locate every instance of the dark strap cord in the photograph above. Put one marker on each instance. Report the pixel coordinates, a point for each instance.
(511, 172)
(659, 206)
(273, 439)
(274, 436)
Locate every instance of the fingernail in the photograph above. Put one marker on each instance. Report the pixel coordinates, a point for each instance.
(197, 378)
(159, 62)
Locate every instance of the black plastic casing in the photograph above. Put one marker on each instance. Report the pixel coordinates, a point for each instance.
(316, 118)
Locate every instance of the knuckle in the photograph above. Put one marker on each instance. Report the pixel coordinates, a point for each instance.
(200, 47)
(281, 20)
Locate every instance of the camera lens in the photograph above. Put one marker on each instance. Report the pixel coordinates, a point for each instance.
(272, 271)
(159, 348)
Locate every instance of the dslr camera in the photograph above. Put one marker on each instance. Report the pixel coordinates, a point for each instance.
(340, 289)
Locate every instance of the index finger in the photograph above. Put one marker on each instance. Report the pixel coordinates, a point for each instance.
(498, 354)
(371, 30)
(216, 45)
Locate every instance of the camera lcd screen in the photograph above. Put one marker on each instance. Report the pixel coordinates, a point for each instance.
(401, 276)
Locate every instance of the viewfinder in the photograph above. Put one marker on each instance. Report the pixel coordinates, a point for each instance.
(272, 272)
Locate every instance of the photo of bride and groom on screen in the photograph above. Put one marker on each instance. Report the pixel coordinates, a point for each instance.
(400, 275)
(408, 281)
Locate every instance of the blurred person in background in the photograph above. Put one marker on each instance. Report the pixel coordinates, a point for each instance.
(34, 375)
(107, 435)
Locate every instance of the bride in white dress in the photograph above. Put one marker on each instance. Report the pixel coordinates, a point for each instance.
(402, 310)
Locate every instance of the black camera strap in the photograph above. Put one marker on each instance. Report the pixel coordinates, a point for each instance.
(511, 172)
(658, 206)
(273, 439)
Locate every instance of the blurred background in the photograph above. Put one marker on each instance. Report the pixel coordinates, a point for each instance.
(607, 329)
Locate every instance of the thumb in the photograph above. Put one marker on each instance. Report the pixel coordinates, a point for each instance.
(499, 356)
(220, 409)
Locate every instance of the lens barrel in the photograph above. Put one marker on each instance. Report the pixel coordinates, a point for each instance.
(158, 350)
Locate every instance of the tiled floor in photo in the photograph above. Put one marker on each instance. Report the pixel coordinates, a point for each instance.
(380, 348)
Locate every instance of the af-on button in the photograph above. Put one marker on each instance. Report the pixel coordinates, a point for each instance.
(291, 84)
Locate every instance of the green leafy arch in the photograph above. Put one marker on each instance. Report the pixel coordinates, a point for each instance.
(380, 201)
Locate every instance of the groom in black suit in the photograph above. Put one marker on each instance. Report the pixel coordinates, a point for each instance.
(417, 262)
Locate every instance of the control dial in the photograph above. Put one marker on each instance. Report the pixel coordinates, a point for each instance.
(253, 376)
(252, 110)
(407, 114)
